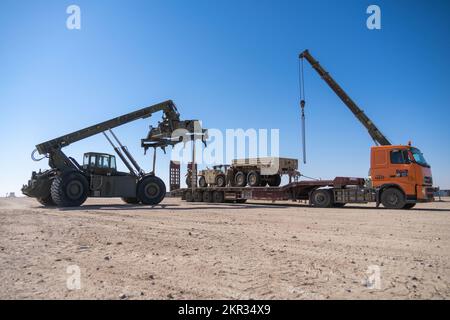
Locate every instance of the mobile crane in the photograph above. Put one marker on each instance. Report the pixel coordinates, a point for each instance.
(68, 184)
(399, 174)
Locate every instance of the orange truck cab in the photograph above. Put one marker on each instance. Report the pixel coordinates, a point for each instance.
(401, 176)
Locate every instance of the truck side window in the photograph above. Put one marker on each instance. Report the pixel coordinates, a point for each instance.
(399, 157)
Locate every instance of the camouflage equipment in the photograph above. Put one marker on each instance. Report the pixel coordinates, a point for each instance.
(67, 183)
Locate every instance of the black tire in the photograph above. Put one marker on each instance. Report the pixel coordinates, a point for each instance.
(131, 200)
(240, 179)
(275, 180)
(339, 205)
(69, 189)
(393, 198)
(264, 182)
(202, 182)
(254, 179)
(409, 206)
(241, 200)
(221, 181)
(322, 198)
(198, 196)
(151, 190)
(47, 201)
(207, 196)
(189, 197)
(218, 196)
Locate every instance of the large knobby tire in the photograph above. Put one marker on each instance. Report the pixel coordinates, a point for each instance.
(240, 180)
(322, 198)
(202, 182)
(409, 206)
(47, 201)
(275, 180)
(69, 189)
(131, 200)
(151, 190)
(254, 179)
(221, 181)
(218, 196)
(393, 198)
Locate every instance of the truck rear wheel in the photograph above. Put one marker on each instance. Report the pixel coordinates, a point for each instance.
(131, 200)
(69, 189)
(240, 180)
(151, 190)
(275, 180)
(221, 181)
(207, 196)
(202, 182)
(322, 198)
(189, 197)
(198, 196)
(393, 198)
(218, 196)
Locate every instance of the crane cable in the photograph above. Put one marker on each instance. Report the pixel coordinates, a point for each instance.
(301, 82)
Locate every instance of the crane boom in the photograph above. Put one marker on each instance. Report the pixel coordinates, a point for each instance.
(170, 112)
(374, 132)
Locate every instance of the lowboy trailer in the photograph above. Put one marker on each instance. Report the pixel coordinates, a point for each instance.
(319, 193)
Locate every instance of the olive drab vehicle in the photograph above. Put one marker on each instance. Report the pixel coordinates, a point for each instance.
(68, 184)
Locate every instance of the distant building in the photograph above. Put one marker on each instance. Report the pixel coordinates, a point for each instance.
(11, 195)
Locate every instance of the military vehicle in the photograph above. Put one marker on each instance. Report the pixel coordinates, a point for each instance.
(68, 184)
(213, 177)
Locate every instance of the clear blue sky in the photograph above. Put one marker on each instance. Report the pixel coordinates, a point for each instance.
(232, 64)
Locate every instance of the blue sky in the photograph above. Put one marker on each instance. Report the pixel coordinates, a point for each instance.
(232, 64)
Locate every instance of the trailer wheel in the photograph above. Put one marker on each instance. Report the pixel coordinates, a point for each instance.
(275, 180)
(151, 190)
(218, 196)
(339, 205)
(47, 201)
(241, 200)
(254, 179)
(393, 198)
(131, 200)
(221, 181)
(198, 196)
(240, 179)
(202, 182)
(188, 196)
(69, 189)
(264, 182)
(322, 198)
(207, 196)
(409, 206)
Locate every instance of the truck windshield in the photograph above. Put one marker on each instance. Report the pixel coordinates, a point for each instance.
(419, 158)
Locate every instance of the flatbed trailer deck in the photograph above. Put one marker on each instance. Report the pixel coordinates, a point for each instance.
(321, 193)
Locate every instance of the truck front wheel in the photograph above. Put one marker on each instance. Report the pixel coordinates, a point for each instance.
(322, 198)
(69, 189)
(151, 190)
(393, 198)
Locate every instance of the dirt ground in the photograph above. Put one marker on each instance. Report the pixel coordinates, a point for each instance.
(226, 251)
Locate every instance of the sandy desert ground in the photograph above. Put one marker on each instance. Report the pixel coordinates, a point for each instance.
(228, 251)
